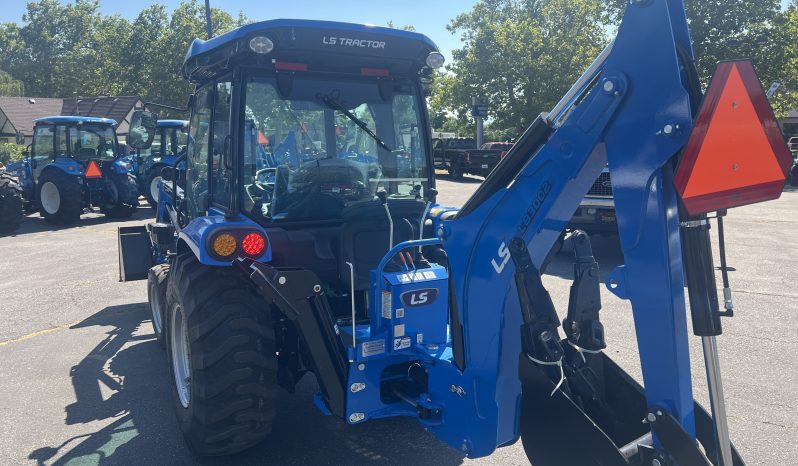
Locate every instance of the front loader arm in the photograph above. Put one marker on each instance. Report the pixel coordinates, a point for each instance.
(636, 116)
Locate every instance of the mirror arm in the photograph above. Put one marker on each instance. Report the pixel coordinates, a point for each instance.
(170, 107)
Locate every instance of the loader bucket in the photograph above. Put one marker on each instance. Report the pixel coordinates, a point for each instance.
(602, 427)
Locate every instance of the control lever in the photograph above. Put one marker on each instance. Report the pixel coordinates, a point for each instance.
(384, 200)
(430, 194)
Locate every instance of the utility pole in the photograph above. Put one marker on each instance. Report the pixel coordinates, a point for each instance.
(479, 110)
(208, 29)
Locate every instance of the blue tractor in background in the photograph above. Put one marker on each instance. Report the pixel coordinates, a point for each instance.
(303, 236)
(74, 164)
(169, 144)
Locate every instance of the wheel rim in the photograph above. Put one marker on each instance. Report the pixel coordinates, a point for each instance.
(50, 197)
(181, 365)
(155, 305)
(154, 188)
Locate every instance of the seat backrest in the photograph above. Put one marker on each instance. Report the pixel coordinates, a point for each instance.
(365, 236)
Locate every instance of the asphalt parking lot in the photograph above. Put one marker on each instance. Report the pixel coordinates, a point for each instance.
(82, 381)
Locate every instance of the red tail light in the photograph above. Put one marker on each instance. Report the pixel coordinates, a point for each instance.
(503, 154)
(253, 244)
(289, 66)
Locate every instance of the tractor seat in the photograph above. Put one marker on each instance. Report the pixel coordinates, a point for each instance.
(364, 236)
(85, 153)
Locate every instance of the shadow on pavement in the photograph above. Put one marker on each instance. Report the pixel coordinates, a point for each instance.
(34, 223)
(125, 384)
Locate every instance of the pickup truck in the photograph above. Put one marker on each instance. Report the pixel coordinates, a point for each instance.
(596, 213)
(460, 156)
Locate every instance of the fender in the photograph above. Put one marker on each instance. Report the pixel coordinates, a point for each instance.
(198, 233)
(67, 165)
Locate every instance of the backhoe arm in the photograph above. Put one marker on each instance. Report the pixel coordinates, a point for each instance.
(634, 113)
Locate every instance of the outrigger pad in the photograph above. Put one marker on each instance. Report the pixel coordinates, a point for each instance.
(599, 426)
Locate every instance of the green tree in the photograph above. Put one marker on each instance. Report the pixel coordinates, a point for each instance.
(10, 86)
(521, 55)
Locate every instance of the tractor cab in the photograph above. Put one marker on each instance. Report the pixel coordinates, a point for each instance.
(169, 144)
(75, 164)
(310, 126)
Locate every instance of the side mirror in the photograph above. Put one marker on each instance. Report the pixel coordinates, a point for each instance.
(20, 139)
(168, 174)
(142, 129)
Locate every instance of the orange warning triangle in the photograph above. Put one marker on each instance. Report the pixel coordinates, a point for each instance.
(93, 170)
(736, 154)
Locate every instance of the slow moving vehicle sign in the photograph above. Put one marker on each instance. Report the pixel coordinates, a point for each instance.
(736, 154)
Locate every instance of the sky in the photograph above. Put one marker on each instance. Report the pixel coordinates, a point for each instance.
(429, 17)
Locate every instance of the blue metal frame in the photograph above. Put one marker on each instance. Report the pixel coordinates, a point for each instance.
(620, 122)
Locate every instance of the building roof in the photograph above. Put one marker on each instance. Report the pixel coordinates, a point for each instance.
(21, 111)
(60, 120)
(18, 113)
(116, 108)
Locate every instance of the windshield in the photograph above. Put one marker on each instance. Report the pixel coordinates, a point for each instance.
(91, 141)
(320, 145)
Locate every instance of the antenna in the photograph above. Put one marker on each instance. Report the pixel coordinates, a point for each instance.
(208, 29)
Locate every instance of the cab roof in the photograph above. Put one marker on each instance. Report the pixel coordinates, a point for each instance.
(65, 120)
(315, 43)
(172, 123)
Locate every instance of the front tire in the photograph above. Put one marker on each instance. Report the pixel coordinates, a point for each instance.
(10, 204)
(60, 197)
(156, 297)
(221, 348)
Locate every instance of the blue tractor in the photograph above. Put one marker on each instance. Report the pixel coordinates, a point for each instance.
(74, 164)
(169, 144)
(303, 236)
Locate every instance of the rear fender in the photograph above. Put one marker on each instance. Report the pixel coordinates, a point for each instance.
(67, 165)
(196, 236)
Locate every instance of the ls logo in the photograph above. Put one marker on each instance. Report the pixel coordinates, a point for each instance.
(419, 297)
(504, 258)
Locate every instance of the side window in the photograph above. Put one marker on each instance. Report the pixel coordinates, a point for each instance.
(197, 157)
(42, 147)
(61, 141)
(221, 161)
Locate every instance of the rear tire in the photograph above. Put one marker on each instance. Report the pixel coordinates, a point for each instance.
(157, 281)
(456, 170)
(125, 198)
(10, 204)
(221, 349)
(60, 197)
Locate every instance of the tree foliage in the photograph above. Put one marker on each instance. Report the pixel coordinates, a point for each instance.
(66, 50)
(522, 55)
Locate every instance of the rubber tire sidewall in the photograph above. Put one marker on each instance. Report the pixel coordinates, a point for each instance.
(11, 203)
(70, 192)
(456, 170)
(153, 173)
(127, 189)
(157, 280)
(247, 370)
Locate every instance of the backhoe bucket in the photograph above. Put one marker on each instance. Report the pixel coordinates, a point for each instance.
(596, 418)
